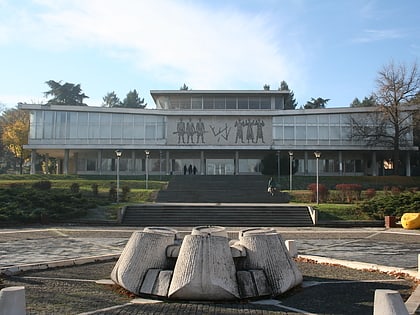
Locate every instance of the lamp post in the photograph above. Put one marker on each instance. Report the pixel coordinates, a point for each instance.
(317, 155)
(118, 153)
(278, 166)
(291, 168)
(147, 168)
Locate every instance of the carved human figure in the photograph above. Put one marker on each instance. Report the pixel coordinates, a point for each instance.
(200, 130)
(239, 124)
(190, 130)
(249, 132)
(260, 124)
(180, 130)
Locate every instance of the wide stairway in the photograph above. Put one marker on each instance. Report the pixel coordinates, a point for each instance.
(219, 189)
(231, 201)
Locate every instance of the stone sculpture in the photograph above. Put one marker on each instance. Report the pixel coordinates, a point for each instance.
(206, 265)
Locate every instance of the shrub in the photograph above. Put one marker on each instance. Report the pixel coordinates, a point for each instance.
(113, 192)
(391, 205)
(322, 192)
(28, 205)
(395, 190)
(370, 193)
(42, 185)
(349, 192)
(95, 189)
(125, 191)
(75, 188)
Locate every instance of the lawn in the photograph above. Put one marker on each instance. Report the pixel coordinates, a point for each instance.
(106, 208)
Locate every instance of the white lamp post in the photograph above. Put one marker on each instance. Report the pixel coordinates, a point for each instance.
(147, 168)
(317, 155)
(118, 153)
(291, 168)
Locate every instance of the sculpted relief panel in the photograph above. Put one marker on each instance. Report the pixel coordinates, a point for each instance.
(195, 130)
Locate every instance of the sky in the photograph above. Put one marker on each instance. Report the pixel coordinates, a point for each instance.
(322, 48)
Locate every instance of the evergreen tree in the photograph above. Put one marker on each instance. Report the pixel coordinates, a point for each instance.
(111, 100)
(132, 100)
(184, 88)
(290, 101)
(65, 94)
(316, 103)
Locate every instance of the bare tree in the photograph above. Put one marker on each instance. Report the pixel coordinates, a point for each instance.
(393, 120)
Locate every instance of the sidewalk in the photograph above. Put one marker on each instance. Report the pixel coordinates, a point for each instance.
(324, 284)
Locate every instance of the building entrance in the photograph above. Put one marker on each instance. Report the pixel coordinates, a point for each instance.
(220, 167)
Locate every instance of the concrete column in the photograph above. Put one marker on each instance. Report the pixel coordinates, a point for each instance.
(168, 163)
(407, 164)
(33, 162)
(66, 161)
(340, 162)
(236, 162)
(99, 162)
(133, 162)
(12, 301)
(374, 164)
(202, 164)
(76, 162)
(388, 302)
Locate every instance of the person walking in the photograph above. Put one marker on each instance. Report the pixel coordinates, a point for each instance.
(271, 186)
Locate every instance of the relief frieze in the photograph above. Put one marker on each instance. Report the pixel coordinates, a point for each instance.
(218, 130)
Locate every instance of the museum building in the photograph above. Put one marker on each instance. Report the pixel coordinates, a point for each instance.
(217, 132)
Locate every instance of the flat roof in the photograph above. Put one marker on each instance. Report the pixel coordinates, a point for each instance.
(217, 92)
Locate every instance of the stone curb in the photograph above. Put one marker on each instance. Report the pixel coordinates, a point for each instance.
(413, 302)
(56, 263)
(362, 266)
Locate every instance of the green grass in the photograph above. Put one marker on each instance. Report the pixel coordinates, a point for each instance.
(330, 211)
(107, 208)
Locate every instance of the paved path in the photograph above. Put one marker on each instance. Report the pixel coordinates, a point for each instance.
(395, 248)
(389, 247)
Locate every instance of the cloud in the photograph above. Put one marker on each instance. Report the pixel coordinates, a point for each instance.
(372, 35)
(174, 41)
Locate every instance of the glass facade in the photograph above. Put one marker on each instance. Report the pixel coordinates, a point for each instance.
(211, 102)
(321, 129)
(92, 127)
(84, 139)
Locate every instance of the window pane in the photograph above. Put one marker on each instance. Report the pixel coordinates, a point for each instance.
(242, 103)
(265, 102)
(219, 103)
(254, 103)
(197, 102)
(230, 103)
(208, 103)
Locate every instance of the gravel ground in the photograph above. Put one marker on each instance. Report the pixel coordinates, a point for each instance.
(327, 289)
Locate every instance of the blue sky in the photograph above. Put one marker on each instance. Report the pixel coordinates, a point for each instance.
(321, 48)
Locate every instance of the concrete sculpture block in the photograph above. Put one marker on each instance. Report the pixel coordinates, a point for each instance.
(266, 250)
(206, 265)
(145, 250)
(388, 302)
(12, 301)
(205, 269)
(291, 247)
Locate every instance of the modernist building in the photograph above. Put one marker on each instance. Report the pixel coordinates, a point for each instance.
(216, 132)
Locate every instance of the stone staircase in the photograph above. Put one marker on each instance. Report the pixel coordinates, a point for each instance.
(220, 189)
(235, 201)
(228, 215)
